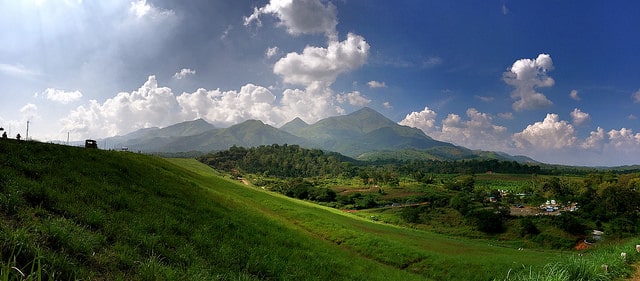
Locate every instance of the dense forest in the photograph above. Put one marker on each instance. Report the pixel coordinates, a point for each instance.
(295, 161)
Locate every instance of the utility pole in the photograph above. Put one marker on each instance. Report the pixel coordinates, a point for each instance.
(27, 137)
(67, 138)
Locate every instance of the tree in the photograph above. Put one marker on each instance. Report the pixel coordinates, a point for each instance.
(487, 220)
(410, 214)
(461, 202)
(528, 227)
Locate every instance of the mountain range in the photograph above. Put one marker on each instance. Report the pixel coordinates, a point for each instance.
(364, 134)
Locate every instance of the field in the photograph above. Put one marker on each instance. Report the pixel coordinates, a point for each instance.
(71, 213)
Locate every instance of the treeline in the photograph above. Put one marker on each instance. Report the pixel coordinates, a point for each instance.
(286, 161)
(295, 161)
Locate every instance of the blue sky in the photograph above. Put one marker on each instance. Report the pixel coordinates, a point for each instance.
(554, 80)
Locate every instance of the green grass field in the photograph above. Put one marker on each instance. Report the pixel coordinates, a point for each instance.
(72, 213)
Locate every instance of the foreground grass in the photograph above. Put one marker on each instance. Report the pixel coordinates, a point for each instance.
(89, 214)
(599, 264)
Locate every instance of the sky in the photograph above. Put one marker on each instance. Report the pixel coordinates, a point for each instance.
(558, 81)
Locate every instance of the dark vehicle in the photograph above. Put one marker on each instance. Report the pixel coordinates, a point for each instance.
(90, 144)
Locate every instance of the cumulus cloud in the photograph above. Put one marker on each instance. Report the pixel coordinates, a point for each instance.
(184, 73)
(526, 75)
(476, 132)
(551, 133)
(636, 96)
(424, 120)
(61, 96)
(624, 139)
(376, 84)
(579, 117)
(614, 147)
(574, 95)
(353, 98)
(595, 141)
(300, 16)
(316, 68)
(270, 52)
(29, 111)
(224, 108)
(149, 106)
(387, 104)
(317, 64)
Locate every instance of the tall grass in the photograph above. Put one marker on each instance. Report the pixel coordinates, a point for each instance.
(600, 264)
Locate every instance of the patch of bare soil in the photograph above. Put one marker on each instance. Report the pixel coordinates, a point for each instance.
(636, 275)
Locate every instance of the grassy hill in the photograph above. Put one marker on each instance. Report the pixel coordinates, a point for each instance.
(74, 213)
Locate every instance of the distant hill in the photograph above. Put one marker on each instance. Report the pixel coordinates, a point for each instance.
(364, 135)
(365, 131)
(247, 134)
(294, 125)
(153, 139)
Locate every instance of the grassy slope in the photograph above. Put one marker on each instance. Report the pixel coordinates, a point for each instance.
(120, 216)
(427, 254)
(113, 215)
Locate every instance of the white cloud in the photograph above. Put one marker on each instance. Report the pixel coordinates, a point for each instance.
(595, 141)
(141, 9)
(624, 140)
(300, 16)
(632, 117)
(506, 115)
(184, 73)
(526, 75)
(424, 120)
(505, 9)
(225, 32)
(270, 52)
(225, 108)
(316, 68)
(574, 95)
(16, 70)
(431, 62)
(61, 96)
(616, 147)
(579, 117)
(376, 84)
(387, 104)
(484, 99)
(323, 64)
(477, 132)
(636, 96)
(29, 111)
(353, 98)
(551, 133)
(149, 106)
